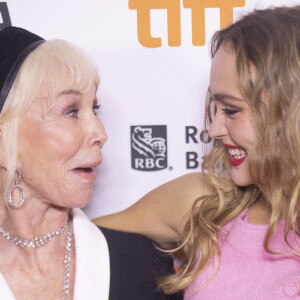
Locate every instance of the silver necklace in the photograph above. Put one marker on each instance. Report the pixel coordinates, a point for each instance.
(37, 241)
(67, 265)
(43, 240)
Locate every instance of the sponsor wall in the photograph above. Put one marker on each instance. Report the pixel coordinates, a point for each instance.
(153, 59)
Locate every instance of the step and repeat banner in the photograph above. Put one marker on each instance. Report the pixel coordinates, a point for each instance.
(153, 59)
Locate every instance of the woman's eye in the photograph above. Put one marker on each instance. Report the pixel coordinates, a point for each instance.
(73, 113)
(229, 112)
(96, 108)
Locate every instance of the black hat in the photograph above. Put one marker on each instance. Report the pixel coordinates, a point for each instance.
(15, 45)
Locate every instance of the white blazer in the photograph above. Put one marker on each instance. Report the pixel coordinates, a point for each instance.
(92, 273)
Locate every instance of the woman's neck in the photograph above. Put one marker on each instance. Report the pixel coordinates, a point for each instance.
(32, 219)
(259, 213)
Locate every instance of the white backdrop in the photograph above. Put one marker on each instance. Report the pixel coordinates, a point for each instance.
(140, 86)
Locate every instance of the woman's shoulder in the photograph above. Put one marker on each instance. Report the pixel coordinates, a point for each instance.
(195, 183)
(162, 213)
(182, 191)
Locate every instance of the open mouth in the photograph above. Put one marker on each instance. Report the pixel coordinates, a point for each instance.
(85, 170)
(237, 155)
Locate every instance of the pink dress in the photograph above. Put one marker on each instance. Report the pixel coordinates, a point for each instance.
(246, 271)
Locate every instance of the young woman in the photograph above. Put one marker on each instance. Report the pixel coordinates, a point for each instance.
(238, 222)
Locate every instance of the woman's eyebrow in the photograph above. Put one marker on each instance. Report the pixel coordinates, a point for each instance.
(69, 92)
(224, 96)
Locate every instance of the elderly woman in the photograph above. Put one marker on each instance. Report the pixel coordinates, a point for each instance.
(51, 142)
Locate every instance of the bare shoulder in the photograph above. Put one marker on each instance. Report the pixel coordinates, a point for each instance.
(162, 213)
(190, 184)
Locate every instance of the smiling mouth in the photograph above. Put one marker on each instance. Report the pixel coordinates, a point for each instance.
(236, 155)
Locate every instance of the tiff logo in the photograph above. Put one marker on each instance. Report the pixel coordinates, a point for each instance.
(143, 8)
(4, 16)
(149, 147)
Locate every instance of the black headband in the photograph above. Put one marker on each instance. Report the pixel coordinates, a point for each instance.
(15, 45)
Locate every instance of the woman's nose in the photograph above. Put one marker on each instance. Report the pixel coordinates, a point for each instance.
(217, 129)
(102, 134)
(97, 134)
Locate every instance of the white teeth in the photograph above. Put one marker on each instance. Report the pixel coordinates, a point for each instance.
(237, 153)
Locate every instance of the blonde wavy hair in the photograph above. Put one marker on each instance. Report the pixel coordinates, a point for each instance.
(267, 41)
(54, 66)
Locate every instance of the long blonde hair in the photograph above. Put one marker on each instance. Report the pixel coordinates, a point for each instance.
(267, 41)
(53, 66)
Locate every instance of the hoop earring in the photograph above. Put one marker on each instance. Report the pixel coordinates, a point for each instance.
(22, 194)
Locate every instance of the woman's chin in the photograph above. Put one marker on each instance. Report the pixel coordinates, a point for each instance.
(81, 201)
(241, 179)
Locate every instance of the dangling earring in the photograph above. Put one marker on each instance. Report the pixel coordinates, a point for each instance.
(22, 194)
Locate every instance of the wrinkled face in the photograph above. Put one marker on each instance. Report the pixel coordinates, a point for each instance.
(232, 123)
(59, 147)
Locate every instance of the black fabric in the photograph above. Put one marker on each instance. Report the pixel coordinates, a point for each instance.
(135, 264)
(15, 45)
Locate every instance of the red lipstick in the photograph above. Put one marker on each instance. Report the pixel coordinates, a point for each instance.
(232, 159)
(232, 147)
(236, 162)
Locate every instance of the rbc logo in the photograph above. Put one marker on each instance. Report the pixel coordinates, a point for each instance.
(149, 147)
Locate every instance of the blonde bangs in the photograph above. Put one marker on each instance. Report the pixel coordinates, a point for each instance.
(57, 66)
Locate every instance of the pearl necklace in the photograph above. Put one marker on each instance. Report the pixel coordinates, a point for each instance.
(43, 240)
